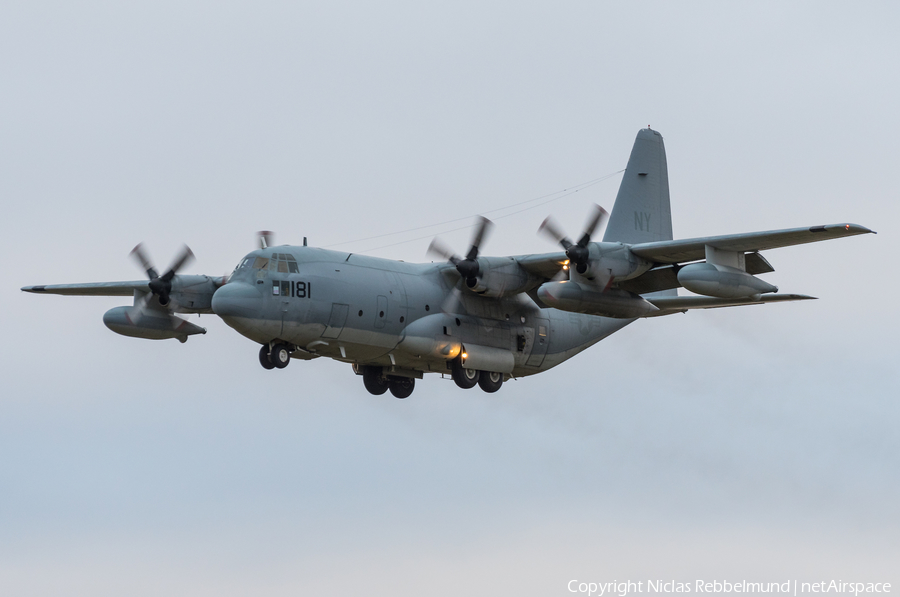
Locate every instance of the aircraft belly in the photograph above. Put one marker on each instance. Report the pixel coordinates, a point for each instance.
(258, 330)
(570, 334)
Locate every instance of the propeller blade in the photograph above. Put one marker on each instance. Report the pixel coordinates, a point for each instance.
(141, 257)
(184, 257)
(484, 227)
(599, 215)
(266, 238)
(467, 267)
(552, 230)
(453, 303)
(161, 286)
(139, 310)
(439, 249)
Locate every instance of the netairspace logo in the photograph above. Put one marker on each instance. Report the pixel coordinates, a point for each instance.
(791, 587)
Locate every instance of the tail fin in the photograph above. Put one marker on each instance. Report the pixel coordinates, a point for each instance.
(642, 212)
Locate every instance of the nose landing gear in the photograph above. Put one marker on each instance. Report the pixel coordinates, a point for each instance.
(264, 357)
(278, 357)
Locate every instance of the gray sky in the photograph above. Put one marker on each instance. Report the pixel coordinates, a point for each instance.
(756, 443)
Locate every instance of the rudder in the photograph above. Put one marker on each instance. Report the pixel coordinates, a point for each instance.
(642, 212)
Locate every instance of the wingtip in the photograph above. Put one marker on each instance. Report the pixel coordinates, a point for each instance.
(856, 228)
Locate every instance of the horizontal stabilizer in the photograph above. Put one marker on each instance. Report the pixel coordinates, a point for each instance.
(679, 304)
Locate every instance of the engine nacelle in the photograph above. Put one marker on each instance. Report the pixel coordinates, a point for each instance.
(613, 261)
(138, 323)
(581, 298)
(721, 281)
(500, 276)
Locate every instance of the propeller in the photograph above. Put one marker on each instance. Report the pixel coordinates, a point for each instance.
(578, 253)
(161, 286)
(266, 238)
(466, 266)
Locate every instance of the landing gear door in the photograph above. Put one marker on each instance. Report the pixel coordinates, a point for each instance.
(540, 343)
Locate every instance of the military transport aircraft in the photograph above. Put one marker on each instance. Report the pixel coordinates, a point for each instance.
(481, 320)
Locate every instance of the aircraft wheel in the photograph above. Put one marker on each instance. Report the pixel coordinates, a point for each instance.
(264, 357)
(402, 387)
(490, 381)
(281, 355)
(464, 378)
(374, 381)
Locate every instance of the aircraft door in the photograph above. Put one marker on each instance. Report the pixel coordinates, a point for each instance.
(336, 321)
(382, 311)
(540, 343)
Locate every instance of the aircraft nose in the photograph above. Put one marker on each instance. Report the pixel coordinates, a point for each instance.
(237, 299)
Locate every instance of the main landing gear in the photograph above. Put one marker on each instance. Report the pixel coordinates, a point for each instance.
(377, 383)
(490, 381)
(277, 357)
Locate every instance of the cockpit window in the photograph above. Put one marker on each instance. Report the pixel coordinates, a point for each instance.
(244, 263)
(261, 263)
(291, 263)
(282, 267)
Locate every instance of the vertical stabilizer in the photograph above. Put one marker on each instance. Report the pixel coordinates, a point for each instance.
(642, 213)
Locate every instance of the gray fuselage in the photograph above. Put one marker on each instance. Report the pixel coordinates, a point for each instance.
(366, 310)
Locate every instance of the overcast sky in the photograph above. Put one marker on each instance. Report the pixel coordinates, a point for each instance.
(756, 443)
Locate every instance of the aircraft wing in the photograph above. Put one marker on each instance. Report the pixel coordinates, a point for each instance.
(92, 289)
(679, 304)
(693, 249)
(545, 265)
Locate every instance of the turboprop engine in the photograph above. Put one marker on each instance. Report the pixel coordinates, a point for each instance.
(151, 315)
(487, 276)
(500, 276)
(592, 270)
